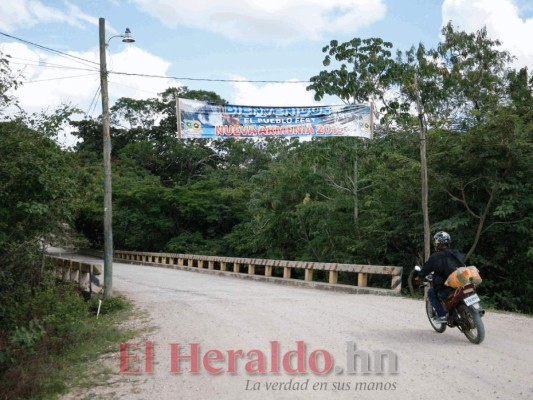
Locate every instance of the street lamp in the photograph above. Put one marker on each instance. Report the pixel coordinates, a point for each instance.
(108, 214)
(126, 38)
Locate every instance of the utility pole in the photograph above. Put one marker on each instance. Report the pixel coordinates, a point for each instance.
(108, 212)
(423, 170)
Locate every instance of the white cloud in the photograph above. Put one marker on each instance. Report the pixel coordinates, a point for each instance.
(49, 79)
(47, 84)
(28, 13)
(278, 21)
(271, 94)
(135, 86)
(15, 13)
(503, 22)
(78, 14)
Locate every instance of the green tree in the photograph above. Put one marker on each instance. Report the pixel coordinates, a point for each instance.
(365, 72)
(475, 71)
(482, 171)
(140, 114)
(520, 91)
(455, 85)
(38, 201)
(420, 84)
(168, 100)
(37, 186)
(8, 83)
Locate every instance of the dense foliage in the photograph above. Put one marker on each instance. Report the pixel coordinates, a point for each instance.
(39, 202)
(38, 317)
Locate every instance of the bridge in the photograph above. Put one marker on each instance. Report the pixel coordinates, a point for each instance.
(379, 347)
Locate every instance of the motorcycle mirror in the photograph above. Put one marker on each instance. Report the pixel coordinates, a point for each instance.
(417, 268)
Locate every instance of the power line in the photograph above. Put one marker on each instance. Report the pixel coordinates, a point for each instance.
(204, 79)
(59, 78)
(155, 76)
(47, 65)
(49, 49)
(114, 83)
(92, 106)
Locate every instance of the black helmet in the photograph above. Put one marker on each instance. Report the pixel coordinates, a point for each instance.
(441, 239)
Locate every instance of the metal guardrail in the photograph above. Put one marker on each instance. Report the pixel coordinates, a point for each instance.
(228, 265)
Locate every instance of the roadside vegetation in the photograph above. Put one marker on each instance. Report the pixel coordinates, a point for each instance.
(56, 342)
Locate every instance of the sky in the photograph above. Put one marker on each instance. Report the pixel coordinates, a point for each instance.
(199, 43)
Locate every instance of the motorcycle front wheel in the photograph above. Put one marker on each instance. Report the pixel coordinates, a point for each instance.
(472, 325)
(432, 315)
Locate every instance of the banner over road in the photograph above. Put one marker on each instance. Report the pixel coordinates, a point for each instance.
(198, 119)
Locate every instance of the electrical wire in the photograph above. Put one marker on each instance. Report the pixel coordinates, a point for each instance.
(78, 59)
(204, 79)
(48, 65)
(59, 78)
(75, 58)
(114, 83)
(94, 101)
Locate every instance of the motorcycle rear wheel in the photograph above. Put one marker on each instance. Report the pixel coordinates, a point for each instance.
(473, 326)
(432, 315)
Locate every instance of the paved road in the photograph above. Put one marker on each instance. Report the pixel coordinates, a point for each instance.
(226, 314)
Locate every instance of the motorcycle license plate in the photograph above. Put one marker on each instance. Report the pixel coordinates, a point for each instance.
(470, 300)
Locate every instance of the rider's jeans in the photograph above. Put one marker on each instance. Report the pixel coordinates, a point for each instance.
(435, 302)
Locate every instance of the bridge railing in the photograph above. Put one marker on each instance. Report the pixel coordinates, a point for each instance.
(248, 266)
(89, 277)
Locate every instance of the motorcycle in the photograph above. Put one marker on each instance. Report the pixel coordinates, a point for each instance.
(463, 310)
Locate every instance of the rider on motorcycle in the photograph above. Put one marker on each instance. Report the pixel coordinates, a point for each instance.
(442, 263)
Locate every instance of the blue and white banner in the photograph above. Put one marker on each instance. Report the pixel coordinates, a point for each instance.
(198, 119)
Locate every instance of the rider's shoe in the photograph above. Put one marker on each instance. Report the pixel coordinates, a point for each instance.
(441, 320)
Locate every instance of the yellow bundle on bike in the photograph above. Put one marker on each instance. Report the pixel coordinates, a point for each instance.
(459, 277)
(474, 272)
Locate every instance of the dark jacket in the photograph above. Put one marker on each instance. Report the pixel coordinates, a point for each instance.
(442, 264)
